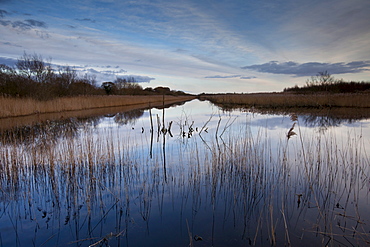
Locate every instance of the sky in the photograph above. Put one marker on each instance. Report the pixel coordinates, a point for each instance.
(194, 45)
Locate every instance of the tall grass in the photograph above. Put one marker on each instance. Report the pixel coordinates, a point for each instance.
(305, 188)
(11, 107)
(274, 100)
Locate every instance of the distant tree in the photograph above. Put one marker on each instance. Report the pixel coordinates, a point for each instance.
(162, 90)
(179, 93)
(321, 79)
(67, 74)
(109, 87)
(82, 87)
(33, 67)
(6, 70)
(8, 82)
(324, 82)
(120, 83)
(149, 90)
(128, 86)
(89, 79)
(63, 80)
(33, 77)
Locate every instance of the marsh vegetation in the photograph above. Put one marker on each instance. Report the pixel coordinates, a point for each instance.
(322, 91)
(15, 107)
(187, 175)
(282, 101)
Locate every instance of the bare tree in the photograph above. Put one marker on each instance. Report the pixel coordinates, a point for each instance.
(321, 79)
(33, 67)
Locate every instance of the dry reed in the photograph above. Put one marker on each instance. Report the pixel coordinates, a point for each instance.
(273, 100)
(11, 107)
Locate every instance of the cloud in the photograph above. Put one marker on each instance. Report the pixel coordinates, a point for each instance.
(106, 72)
(85, 19)
(110, 75)
(27, 25)
(114, 71)
(35, 23)
(3, 13)
(10, 44)
(93, 71)
(230, 76)
(24, 25)
(8, 61)
(247, 77)
(138, 78)
(180, 50)
(221, 76)
(309, 69)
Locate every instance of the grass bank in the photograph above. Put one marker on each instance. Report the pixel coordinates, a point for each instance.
(12, 107)
(288, 100)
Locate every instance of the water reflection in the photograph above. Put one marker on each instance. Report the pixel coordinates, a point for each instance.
(325, 117)
(195, 176)
(53, 130)
(129, 117)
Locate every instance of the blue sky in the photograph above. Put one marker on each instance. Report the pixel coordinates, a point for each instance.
(195, 46)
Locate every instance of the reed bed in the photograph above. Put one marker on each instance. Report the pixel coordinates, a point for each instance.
(278, 100)
(11, 107)
(224, 186)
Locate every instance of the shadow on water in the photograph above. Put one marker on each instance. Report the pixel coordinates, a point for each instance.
(179, 181)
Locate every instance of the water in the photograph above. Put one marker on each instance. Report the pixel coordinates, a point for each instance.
(210, 178)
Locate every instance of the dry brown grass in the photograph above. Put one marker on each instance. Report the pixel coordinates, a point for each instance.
(11, 107)
(274, 100)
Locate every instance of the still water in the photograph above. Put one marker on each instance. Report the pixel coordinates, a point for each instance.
(188, 175)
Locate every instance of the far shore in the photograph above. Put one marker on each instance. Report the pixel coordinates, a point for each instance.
(289, 100)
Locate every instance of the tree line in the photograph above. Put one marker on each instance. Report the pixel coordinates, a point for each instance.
(326, 83)
(33, 77)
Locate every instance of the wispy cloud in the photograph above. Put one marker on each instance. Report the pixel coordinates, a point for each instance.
(10, 44)
(29, 25)
(113, 74)
(230, 76)
(309, 69)
(3, 13)
(106, 72)
(24, 25)
(138, 78)
(36, 23)
(247, 77)
(86, 19)
(221, 76)
(8, 61)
